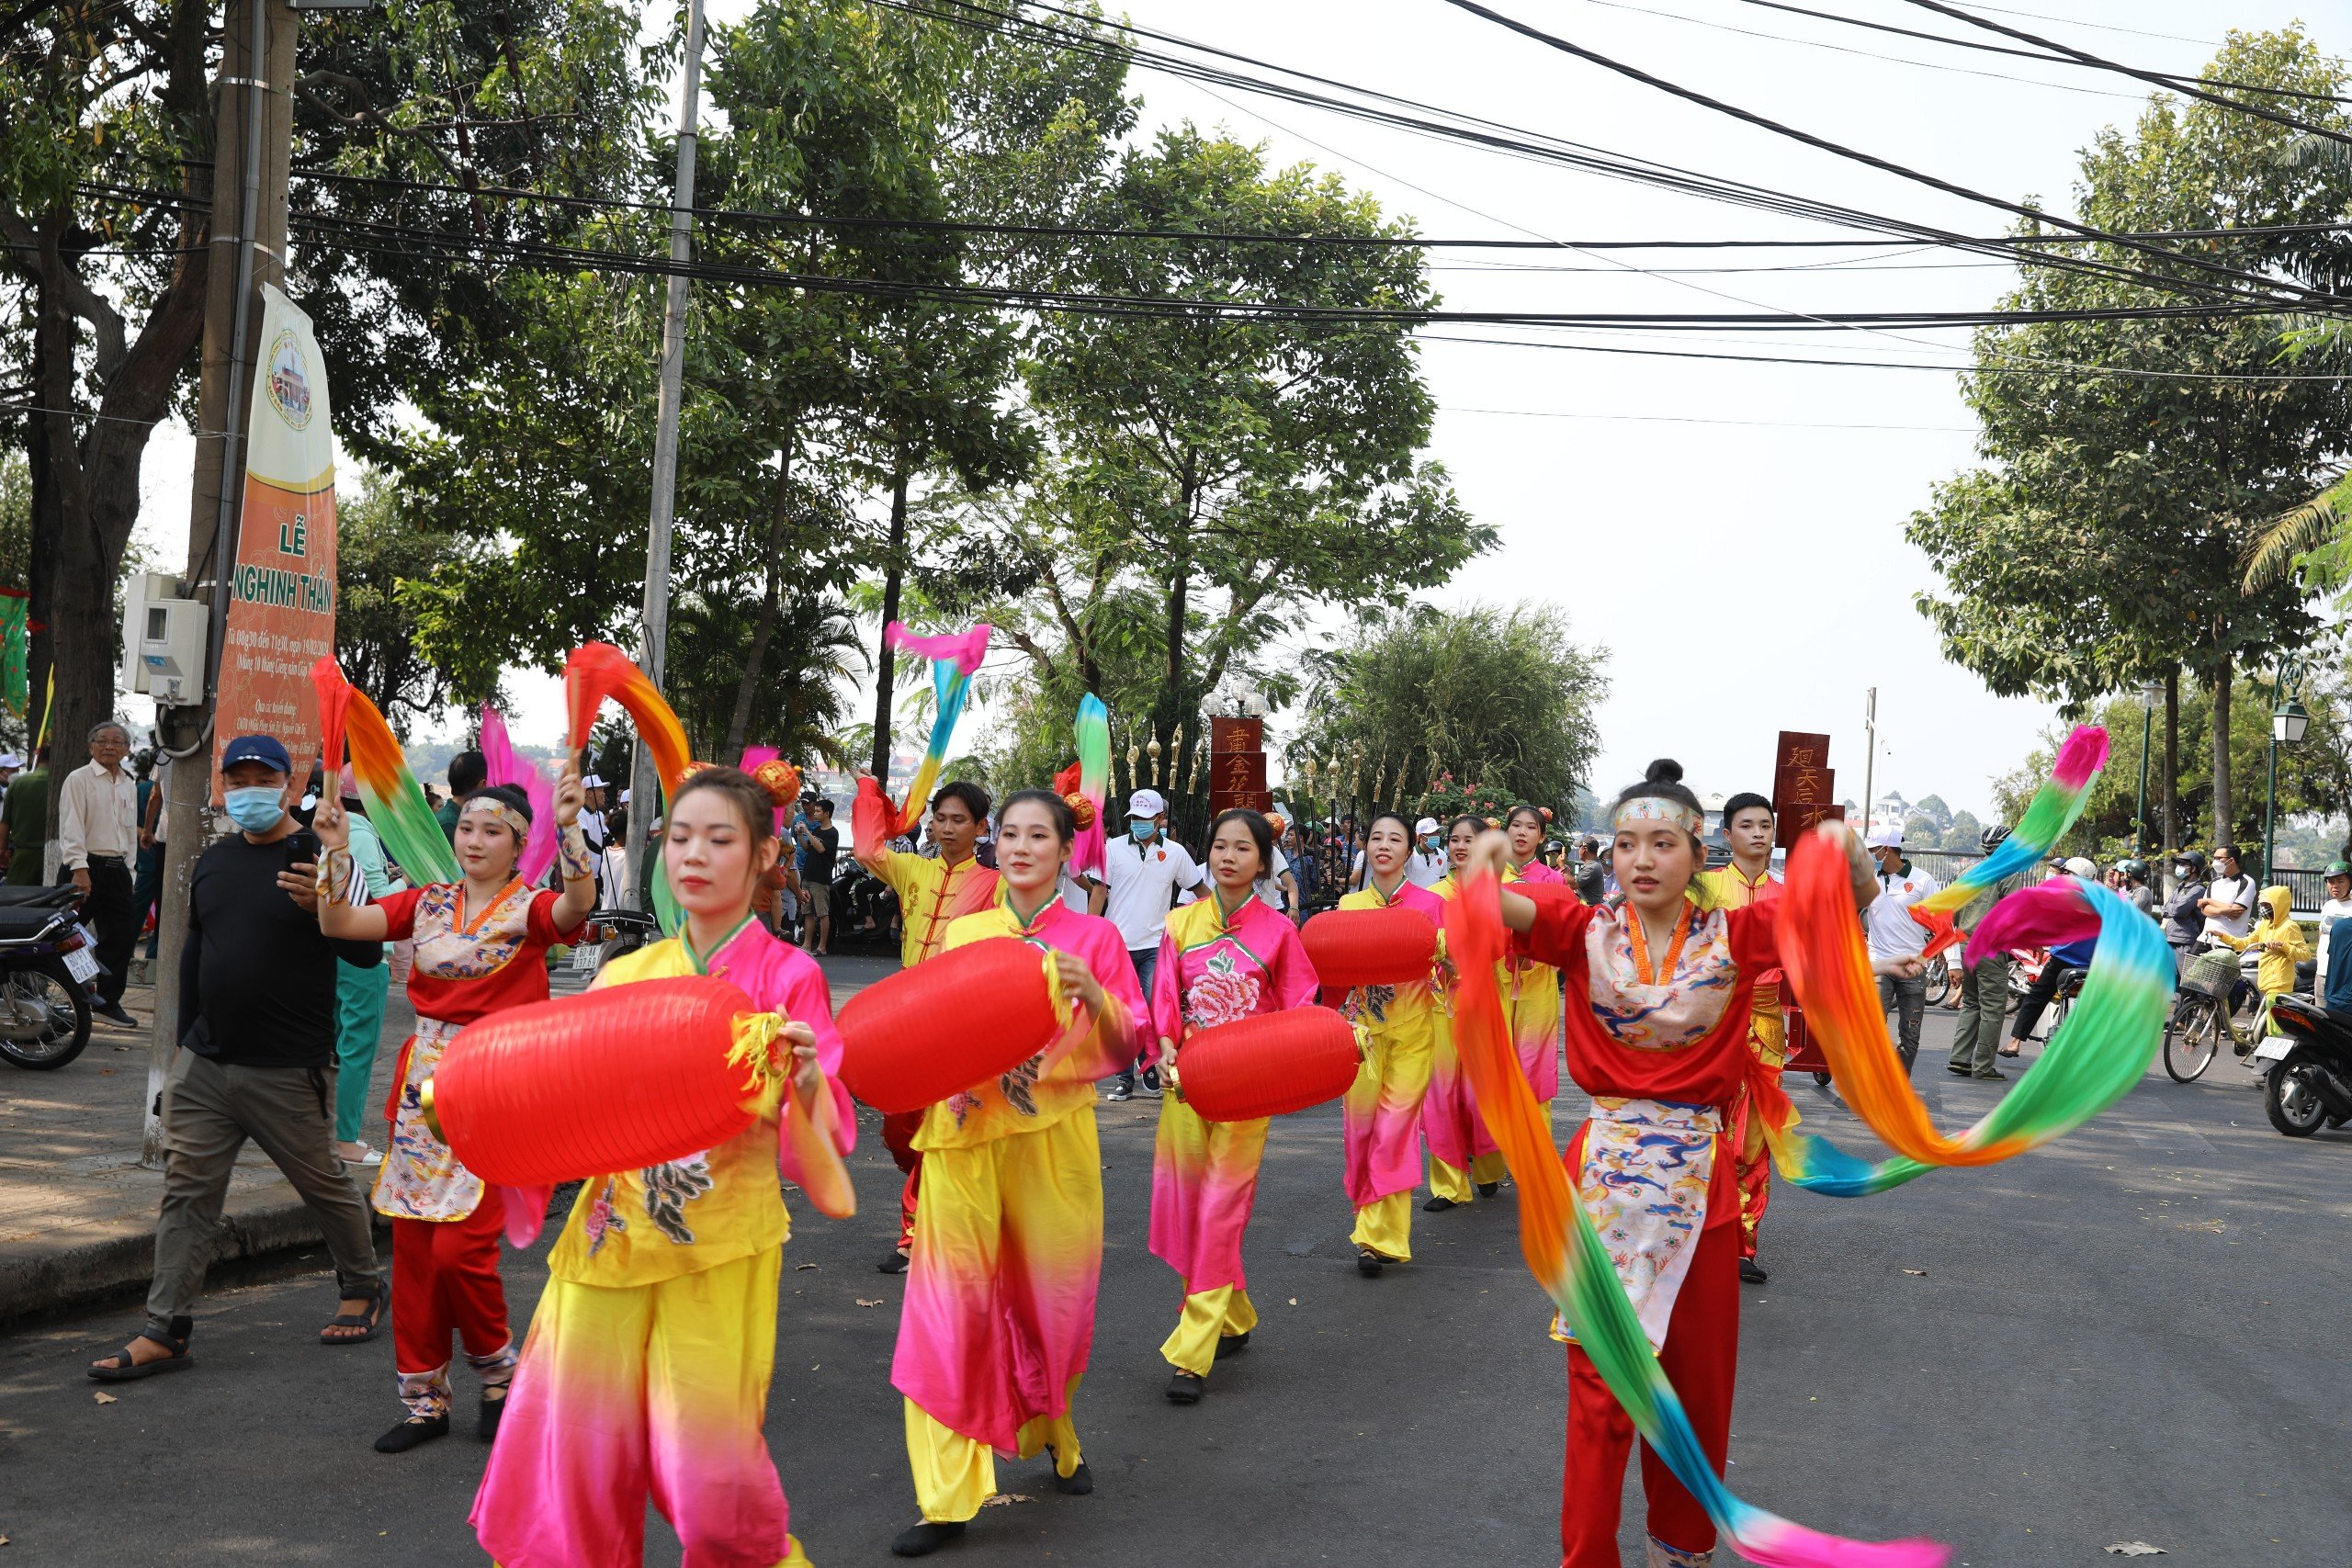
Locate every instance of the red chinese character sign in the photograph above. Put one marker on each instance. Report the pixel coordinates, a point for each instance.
(282, 587)
(1805, 786)
(1238, 765)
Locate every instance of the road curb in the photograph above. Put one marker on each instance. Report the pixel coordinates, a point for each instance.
(42, 1278)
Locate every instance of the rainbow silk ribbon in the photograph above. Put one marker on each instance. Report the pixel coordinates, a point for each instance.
(597, 671)
(1567, 1259)
(504, 765)
(2054, 809)
(396, 803)
(1093, 781)
(2104, 1045)
(953, 662)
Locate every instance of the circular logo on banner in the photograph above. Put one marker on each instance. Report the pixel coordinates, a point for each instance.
(289, 386)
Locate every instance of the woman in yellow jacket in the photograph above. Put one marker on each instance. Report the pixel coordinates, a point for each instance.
(2279, 940)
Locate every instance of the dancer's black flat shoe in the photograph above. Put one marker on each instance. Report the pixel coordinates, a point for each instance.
(1436, 1206)
(1232, 1345)
(1751, 1272)
(893, 1262)
(486, 1420)
(411, 1432)
(1369, 1263)
(1488, 1189)
(922, 1539)
(1185, 1389)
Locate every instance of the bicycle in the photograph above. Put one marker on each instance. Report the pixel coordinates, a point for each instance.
(2201, 1017)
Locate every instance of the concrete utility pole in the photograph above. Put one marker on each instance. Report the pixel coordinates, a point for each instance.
(253, 138)
(653, 655)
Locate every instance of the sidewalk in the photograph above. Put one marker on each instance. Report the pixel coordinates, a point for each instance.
(77, 1211)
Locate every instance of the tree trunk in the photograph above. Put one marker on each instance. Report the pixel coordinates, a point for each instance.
(739, 726)
(2223, 814)
(2168, 840)
(885, 659)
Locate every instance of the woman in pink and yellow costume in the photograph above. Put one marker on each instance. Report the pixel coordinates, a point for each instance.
(1462, 1152)
(482, 945)
(1223, 958)
(1007, 1257)
(647, 1363)
(1398, 1027)
(1532, 989)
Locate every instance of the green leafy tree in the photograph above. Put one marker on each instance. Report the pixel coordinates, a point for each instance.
(2103, 541)
(814, 652)
(1240, 471)
(380, 551)
(1467, 708)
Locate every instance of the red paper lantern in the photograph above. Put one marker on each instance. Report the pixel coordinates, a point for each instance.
(1269, 1065)
(1391, 946)
(952, 1022)
(612, 1080)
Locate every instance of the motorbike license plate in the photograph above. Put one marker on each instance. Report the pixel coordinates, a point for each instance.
(2274, 1049)
(583, 958)
(82, 964)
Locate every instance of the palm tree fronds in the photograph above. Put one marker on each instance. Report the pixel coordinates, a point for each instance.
(2292, 534)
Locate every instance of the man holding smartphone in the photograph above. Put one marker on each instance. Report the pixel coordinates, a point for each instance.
(256, 1060)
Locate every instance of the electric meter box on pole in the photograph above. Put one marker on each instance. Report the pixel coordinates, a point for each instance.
(163, 642)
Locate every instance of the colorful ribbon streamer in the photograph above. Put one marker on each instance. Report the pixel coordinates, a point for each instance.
(504, 765)
(598, 671)
(2094, 1057)
(1566, 1256)
(396, 803)
(953, 662)
(1093, 781)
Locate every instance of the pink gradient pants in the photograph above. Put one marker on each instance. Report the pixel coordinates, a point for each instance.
(998, 1319)
(639, 1389)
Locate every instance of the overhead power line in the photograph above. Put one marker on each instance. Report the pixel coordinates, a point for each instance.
(1870, 160)
(2184, 86)
(1410, 115)
(2167, 77)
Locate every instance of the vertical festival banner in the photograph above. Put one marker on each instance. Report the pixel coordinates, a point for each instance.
(282, 586)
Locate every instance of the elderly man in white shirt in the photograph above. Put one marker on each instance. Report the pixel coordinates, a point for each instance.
(97, 837)
(1895, 935)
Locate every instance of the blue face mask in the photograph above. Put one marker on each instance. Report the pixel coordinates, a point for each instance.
(1430, 844)
(256, 809)
(1142, 832)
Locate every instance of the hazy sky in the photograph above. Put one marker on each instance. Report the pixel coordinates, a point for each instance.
(1731, 532)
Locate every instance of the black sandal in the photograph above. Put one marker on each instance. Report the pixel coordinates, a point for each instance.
(124, 1369)
(368, 1323)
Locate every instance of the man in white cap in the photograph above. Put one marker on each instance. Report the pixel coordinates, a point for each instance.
(1424, 867)
(1895, 936)
(591, 812)
(1143, 870)
(10, 766)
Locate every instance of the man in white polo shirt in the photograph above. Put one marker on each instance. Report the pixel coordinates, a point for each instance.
(1143, 870)
(1893, 935)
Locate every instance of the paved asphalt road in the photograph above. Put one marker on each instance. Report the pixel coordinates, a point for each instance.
(2136, 1337)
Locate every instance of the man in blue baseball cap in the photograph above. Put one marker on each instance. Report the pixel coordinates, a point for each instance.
(256, 1060)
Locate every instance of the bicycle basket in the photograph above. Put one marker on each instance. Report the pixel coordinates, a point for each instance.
(2211, 973)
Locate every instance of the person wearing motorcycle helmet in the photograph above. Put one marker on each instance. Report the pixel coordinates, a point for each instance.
(2184, 920)
(2339, 881)
(1984, 983)
(2136, 886)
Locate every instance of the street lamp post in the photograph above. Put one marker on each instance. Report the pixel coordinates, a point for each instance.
(2149, 692)
(2288, 720)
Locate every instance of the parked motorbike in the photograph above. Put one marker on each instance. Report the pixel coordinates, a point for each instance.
(624, 931)
(46, 961)
(2307, 1078)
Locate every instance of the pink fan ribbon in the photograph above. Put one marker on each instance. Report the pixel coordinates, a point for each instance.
(506, 765)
